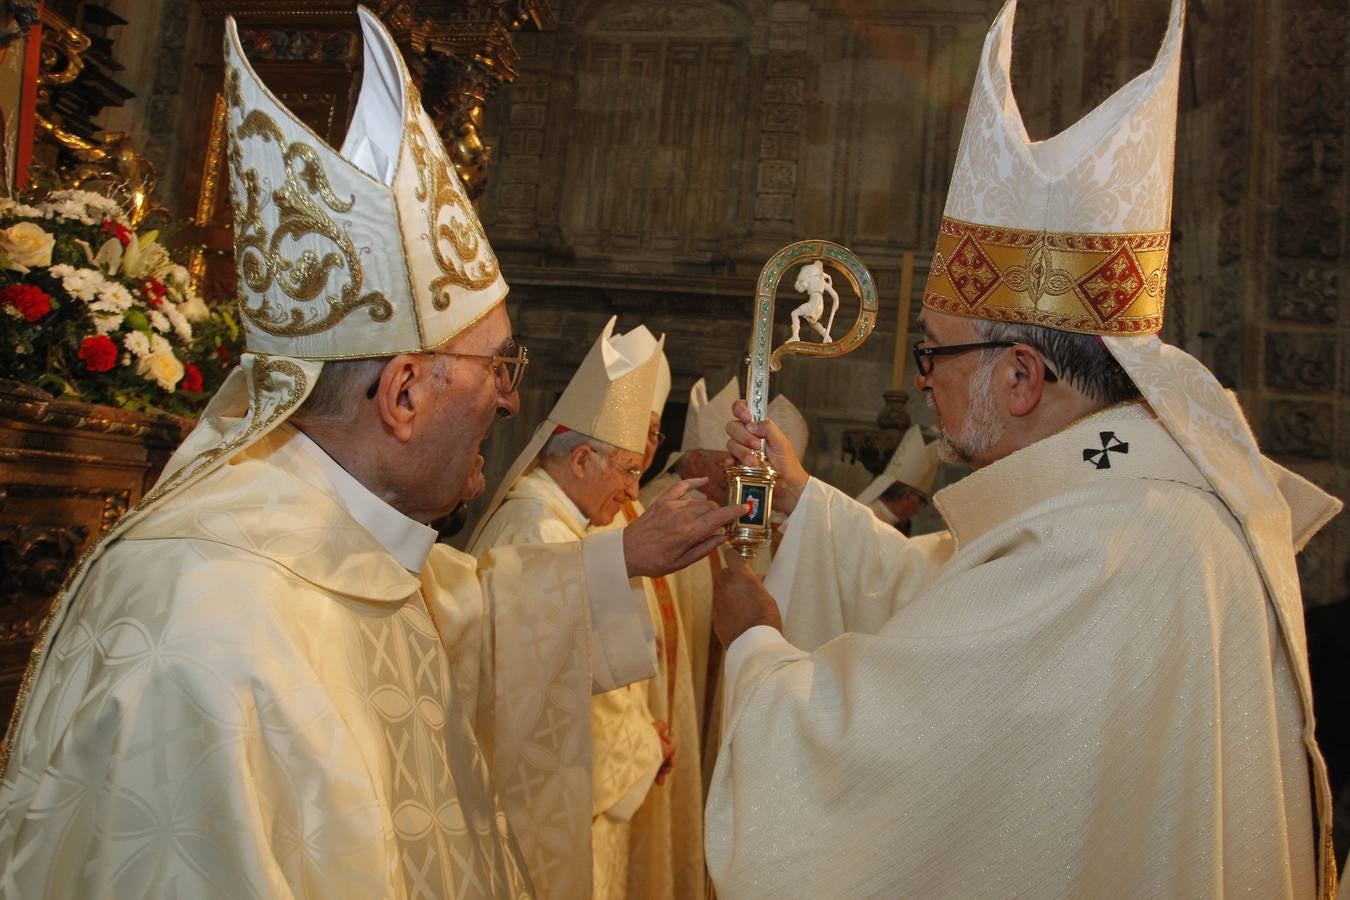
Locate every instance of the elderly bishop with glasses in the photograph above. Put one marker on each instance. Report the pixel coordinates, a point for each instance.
(1096, 683)
(269, 680)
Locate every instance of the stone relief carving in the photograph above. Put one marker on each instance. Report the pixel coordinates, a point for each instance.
(1299, 361)
(1299, 428)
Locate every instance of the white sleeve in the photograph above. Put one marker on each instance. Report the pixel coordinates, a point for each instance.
(750, 641)
(623, 643)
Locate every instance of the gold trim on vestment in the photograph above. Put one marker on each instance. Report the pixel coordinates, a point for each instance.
(1071, 281)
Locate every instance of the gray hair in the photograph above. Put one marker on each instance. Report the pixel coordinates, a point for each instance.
(340, 390)
(560, 446)
(1080, 359)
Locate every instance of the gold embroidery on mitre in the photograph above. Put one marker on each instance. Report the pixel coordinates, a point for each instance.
(1089, 283)
(262, 263)
(463, 232)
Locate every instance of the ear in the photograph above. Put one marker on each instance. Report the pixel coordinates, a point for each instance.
(398, 394)
(1026, 375)
(576, 462)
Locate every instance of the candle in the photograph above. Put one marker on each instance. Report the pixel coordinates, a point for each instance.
(902, 327)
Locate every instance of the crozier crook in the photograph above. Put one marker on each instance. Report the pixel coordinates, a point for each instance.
(754, 484)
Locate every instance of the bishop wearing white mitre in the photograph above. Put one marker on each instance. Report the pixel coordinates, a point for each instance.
(1095, 684)
(268, 680)
(898, 493)
(574, 477)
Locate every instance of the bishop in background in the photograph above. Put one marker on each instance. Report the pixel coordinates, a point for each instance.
(1095, 684)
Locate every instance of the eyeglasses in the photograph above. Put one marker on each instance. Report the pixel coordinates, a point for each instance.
(508, 370)
(630, 474)
(656, 436)
(923, 356)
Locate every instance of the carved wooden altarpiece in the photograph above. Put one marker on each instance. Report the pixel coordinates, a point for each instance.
(68, 471)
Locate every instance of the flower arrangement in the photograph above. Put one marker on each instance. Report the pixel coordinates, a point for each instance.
(91, 310)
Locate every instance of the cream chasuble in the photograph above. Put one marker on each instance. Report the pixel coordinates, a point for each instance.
(1082, 691)
(648, 839)
(666, 845)
(253, 698)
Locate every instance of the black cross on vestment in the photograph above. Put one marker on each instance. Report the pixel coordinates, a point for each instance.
(1110, 444)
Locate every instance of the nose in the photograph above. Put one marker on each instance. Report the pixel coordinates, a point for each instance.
(921, 380)
(630, 489)
(508, 404)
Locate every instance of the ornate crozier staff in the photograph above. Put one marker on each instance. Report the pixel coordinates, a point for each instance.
(754, 484)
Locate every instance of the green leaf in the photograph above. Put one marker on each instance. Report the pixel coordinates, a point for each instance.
(138, 320)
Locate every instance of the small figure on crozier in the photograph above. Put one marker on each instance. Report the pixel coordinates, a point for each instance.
(815, 282)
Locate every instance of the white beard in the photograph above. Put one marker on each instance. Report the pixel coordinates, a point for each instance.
(981, 429)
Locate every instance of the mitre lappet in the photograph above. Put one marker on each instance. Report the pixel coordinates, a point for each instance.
(1072, 233)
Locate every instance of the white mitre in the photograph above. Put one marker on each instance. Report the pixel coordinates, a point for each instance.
(367, 251)
(789, 420)
(913, 464)
(1071, 233)
(662, 393)
(705, 420)
(609, 398)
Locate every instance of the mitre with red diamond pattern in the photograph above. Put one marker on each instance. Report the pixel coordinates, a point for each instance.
(1070, 232)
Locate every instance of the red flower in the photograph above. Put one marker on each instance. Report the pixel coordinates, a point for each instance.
(32, 302)
(99, 353)
(223, 354)
(192, 378)
(154, 291)
(121, 232)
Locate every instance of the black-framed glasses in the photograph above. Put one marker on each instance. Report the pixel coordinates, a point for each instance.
(656, 436)
(923, 356)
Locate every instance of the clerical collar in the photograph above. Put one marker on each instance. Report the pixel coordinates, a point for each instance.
(1117, 442)
(407, 540)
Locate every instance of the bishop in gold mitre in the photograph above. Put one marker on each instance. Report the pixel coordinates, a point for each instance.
(1095, 683)
(269, 680)
(579, 474)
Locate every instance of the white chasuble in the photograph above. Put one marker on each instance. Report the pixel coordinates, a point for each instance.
(250, 697)
(1082, 691)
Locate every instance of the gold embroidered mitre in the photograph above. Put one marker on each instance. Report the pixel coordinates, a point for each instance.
(1070, 232)
(368, 251)
(610, 395)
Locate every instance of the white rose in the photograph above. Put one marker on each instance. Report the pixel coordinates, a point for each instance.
(163, 368)
(26, 245)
